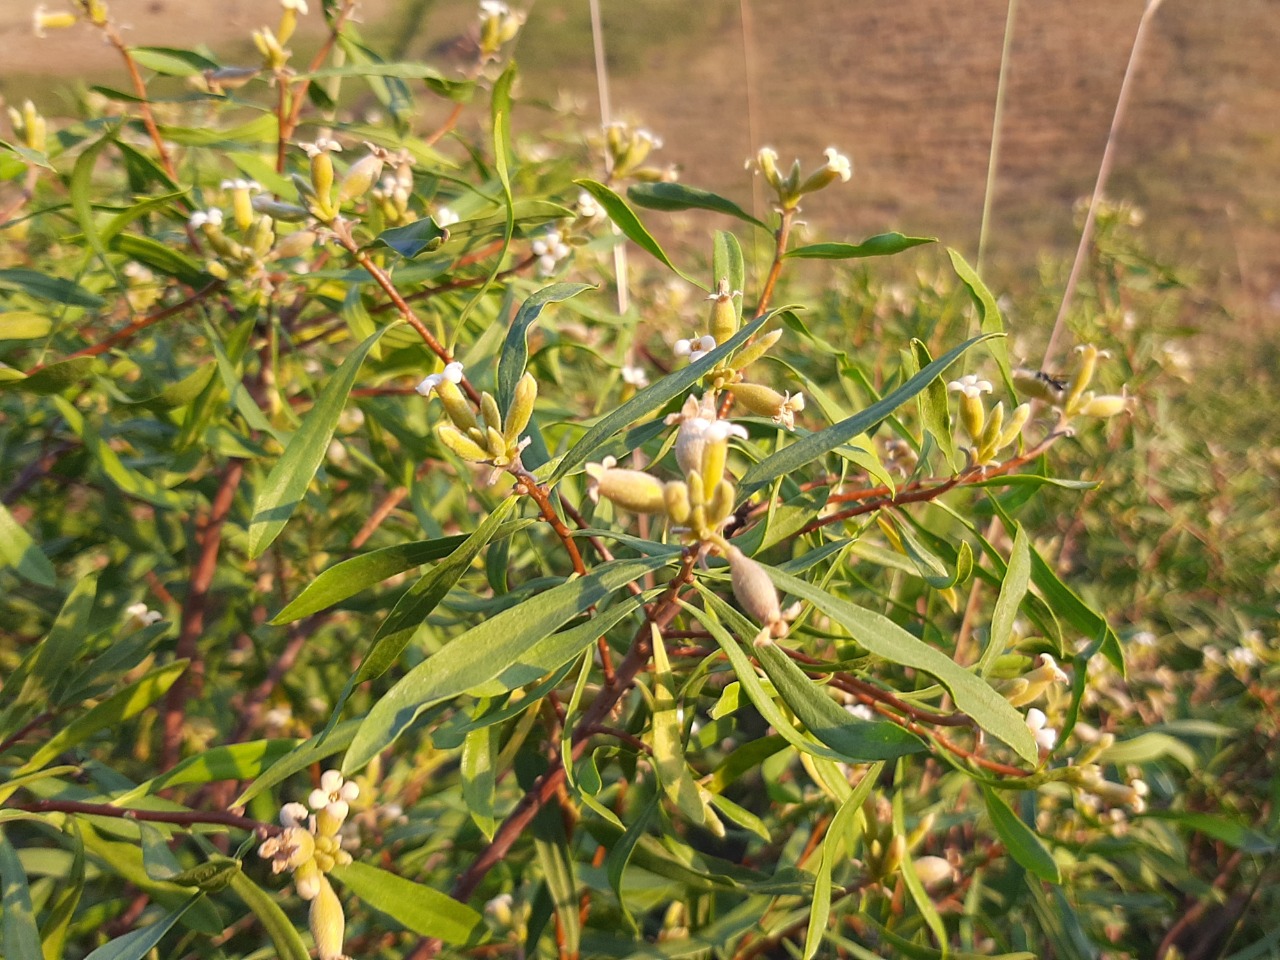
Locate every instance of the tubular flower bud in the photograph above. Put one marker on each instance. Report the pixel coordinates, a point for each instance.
(526, 394)
(721, 505)
(837, 167)
(767, 402)
(724, 313)
(1013, 430)
(29, 126)
(322, 176)
(362, 174)
(676, 494)
(755, 350)
(1027, 688)
(461, 444)
(1105, 406)
(274, 55)
(296, 244)
(242, 200)
(328, 925)
(972, 414)
(633, 490)
(756, 593)
(289, 17)
(277, 210)
(933, 871)
(498, 25)
(42, 20)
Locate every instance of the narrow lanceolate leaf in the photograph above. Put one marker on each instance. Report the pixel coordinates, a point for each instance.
(668, 747)
(934, 411)
(556, 861)
(839, 841)
(1020, 840)
(479, 776)
(858, 741)
(139, 943)
(515, 352)
(427, 912)
(287, 483)
(653, 397)
(988, 313)
(1012, 590)
(62, 907)
(19, 551)
(630, 224)
(884, 638)
(319, 747)
(284, 935)
(81, 187)
(44, 287)
(677, 196)
(24, 325)
(881, 245)
(126, 703)
(727, 261)
(21, 937)
(485, 652)
(796, 455)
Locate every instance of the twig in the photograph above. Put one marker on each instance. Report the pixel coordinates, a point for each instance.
(178, 818)
(289, 122)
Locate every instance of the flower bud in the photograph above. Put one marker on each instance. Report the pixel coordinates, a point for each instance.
(1011, 432)
(767, 402)
(724, 312)
(273, 54)
(991, 431)
(328, 924)
(459, 443)
(633, 490)
(526, 393)
(755, 350)
(1105, 406)
(837, 167)
(42, 20)
(933, 871)
(676, 494)
(296, 244)
(721, 505)
(753, 589)
(360, 177)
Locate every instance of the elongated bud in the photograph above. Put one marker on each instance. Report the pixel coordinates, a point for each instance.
(456, 406)
(721, 505)
(526, 393)
(973, 415)
(489, 410)
(1084, 376)
(676, 494)
(261, 236)
(755, 350)
(753, 589)
(633, 490)
(362, 175)
(296, 243)
(724, 312)
(328, 925)
(278, 210)
(933, 871)
(459, 443)
(767, 161)
(991, 431)
(1013, 429)
(274, 55)
(1105, 406)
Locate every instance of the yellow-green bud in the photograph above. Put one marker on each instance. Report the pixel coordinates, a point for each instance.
(1013, 429)
(328, 925)
(462, 445)
(973, 416)
(754, 590)
(933, 871)
(676, 494)
(296, 243)
(455, 405)
(1084, 376)
(273, 54)
(522, 401)
(489, 410)
(1105, 406)
(837, 168)
(633, 490)
(362, 175)
(755, 350)
(991, 432)
(721, 505)
(724, 312)
(497, 445)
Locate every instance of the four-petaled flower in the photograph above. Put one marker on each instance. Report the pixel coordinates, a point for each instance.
(323, 145)
(970, 386)
(1046, 736)
(839, 164)
(206, 218)
(451, 373)
(696, 348)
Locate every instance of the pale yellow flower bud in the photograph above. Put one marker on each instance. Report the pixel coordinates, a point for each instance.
(633, 490)
(328, 924)
(526, 394)
(1105, 406)
(933, 871)
(755, 350)
(724, 312)
(459, 443)
(754, 590)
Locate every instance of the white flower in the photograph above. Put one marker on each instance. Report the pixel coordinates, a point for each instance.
(1045, 735)
(140, 615)
(202, 218)
(721, 430)
(452, 373)
(970, 386)
(445, 217)
(839, 164)
(334, 794)
(493, 8)
(634, 376)
(588, 208)
(251, 185)
(1240, 659)
(1143, 638)
(649, 137)
(860, 710)
(695, 349)
(294, 815)
(323, 145)
(297, 5)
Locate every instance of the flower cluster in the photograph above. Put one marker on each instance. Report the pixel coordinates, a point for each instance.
(794, 185)
(271, 43)
(498, 25)
(392, 194)
(990, 434)
(310, 846)
(550, 249)
(628, 147)
(317, 193)
(489, 438)
(1073, 398)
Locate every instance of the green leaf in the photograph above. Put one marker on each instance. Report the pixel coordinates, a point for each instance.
(1230, 832)
(49, 288)
(21, 937)
(556, 862)
(857, 741)
(988, 313)
(884, 638)
(287, 483)
(840, 838)
(630, 224)
(935, 413)
(236, 761)
(165, 259)
(284, 936)
(652, 398)
(172, 62)
(910, 879)
(181, 393)
(1149, 747)
(423, 235)
(515, 352)
(668, 745)
(677, 196)
(19, 551)
(57, 924)
(727, 261)
(794, 456)
(319, 747)
(24, 325)
(1063, 601)
(113, 711)
(54, 378)
(882, 245)
(483, 653)
(1020, 840)
(479, 776)
(620, 851)
(81, 188)
(1012, 590)
(427, 912)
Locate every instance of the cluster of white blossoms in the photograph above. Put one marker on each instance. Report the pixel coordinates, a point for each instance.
(793, 185)
(490, 438)
(550, 249)
(989, 433)
(139, 615)
(310, 846)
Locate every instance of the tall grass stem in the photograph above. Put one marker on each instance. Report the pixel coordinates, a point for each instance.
(997, 123)
(606, 118)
